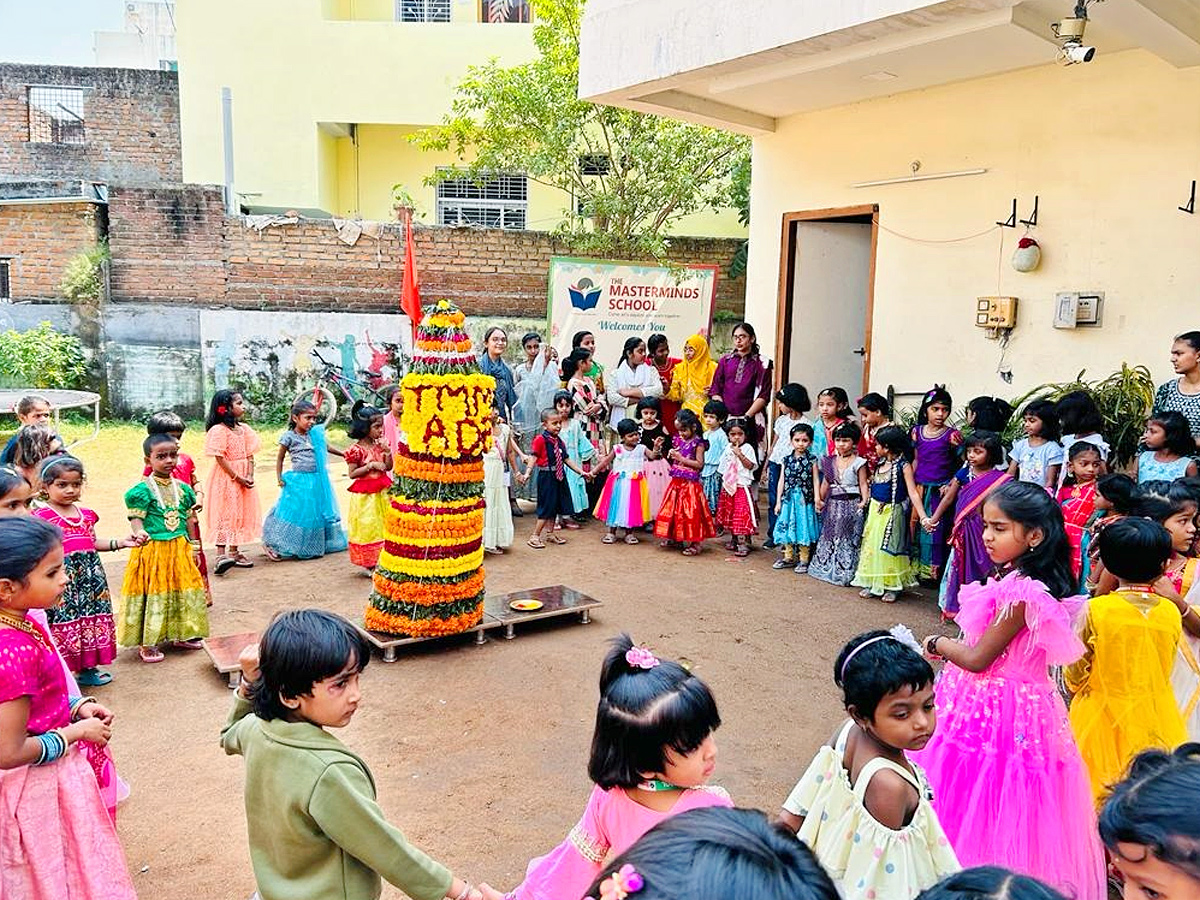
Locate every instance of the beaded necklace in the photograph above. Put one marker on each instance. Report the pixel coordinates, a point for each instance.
(655, 785)
(170, 510)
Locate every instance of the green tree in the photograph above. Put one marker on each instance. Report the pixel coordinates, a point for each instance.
(42, 358)
(631, 174)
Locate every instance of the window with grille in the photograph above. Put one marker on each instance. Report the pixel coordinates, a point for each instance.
(56, 115)
(594, 164)
(502, 11)
(500, 201)
(423, 10)
(5, 287)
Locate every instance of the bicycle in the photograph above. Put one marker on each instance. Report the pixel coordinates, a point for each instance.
(373, 391)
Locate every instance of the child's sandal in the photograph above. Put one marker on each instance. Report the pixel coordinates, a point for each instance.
(555, 539)
(536, 543)
(691, 551)
(741, 551)
(631, 538)
(150, 654)
(609, 539)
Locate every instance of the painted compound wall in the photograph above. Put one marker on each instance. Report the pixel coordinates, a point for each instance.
(1111, 148)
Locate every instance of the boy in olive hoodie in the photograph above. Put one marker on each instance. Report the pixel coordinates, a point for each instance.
(316, 830)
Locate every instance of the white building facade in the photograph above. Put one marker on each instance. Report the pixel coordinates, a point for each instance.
(890, 138)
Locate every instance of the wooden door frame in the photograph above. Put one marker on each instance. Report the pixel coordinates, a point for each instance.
(787, 282)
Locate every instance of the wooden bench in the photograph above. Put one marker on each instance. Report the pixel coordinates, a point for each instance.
(224, 652)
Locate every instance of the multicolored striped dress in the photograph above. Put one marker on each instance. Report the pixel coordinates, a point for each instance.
(625, 501)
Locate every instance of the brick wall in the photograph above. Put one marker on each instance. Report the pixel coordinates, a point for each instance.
(175, 245)
(131, 126)
(40, 240)
(167, 244)
(487, 272)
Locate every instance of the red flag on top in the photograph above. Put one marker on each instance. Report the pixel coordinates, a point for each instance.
(410, 290)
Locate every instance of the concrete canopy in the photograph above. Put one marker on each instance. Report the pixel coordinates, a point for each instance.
(743, 65)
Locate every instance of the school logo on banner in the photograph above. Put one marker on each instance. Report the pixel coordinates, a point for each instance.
(614, 301)
(584, 295)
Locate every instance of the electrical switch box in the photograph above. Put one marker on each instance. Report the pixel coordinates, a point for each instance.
(996, 312)
(1077, 309)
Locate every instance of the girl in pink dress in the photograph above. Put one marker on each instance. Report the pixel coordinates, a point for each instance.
(652, 755)
(57, 840)
(82, 622)
(234, 516)
(1009, 785)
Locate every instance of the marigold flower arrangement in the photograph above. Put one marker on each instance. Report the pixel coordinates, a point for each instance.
(429, 581)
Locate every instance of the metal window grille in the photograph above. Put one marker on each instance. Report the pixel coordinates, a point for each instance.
(504, 11)
(56, 115)
(501, 201)
(423, 10)
(5, 287)
(594, 164)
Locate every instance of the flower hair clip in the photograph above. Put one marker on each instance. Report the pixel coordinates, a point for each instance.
(904, 635)
(221, 410)
(621, 883)
(641, 658)
(900, 633)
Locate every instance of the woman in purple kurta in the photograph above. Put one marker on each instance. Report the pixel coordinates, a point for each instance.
(743, 381)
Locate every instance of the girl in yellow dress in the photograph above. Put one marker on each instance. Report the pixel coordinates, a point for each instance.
(162, 595)
(1122, 684)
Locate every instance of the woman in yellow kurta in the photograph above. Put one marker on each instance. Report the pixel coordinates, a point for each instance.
(1124, 703)
(693, 375)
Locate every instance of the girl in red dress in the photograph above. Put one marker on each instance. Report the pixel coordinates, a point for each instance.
(370, 463)
(1077, 496)
(684, 515)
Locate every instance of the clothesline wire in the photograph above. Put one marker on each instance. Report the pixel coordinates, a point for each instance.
(917, 240)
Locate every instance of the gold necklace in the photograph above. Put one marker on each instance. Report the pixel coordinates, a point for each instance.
(20, 623)
(170, 511)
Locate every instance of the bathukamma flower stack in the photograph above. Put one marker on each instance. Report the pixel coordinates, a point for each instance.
(429, 581)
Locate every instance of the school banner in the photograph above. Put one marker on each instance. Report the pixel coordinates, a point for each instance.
(616, 301)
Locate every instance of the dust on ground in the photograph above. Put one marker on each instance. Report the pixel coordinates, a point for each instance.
(479, 753)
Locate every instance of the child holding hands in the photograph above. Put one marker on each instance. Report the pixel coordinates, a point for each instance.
(315, 826)
(553, 493)
(58, 840)
(162, 595)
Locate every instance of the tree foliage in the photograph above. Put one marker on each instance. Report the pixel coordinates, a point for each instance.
(650, 171)
(84, 275)
(42, 358)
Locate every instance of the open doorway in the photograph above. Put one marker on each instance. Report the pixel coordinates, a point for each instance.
(826, 291)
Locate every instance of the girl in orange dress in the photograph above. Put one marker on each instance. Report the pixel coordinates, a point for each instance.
(234, 516)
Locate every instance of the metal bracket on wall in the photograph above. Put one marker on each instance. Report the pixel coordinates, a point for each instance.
(1190, 209)
(1032, 220)
(1011, 221)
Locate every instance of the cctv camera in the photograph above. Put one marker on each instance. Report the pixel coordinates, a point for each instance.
(1077, 53)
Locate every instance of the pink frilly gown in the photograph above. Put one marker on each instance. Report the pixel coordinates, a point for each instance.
(1009, 785)
(57, 838)
(610, 825)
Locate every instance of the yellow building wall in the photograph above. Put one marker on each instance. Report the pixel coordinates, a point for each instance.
(291, 64)
(1110, 148)
(364, 171)
(385, 10)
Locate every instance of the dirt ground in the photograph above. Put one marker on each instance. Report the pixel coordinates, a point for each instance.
(479, 753)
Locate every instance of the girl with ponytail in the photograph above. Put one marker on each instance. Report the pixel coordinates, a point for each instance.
(652, 755)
